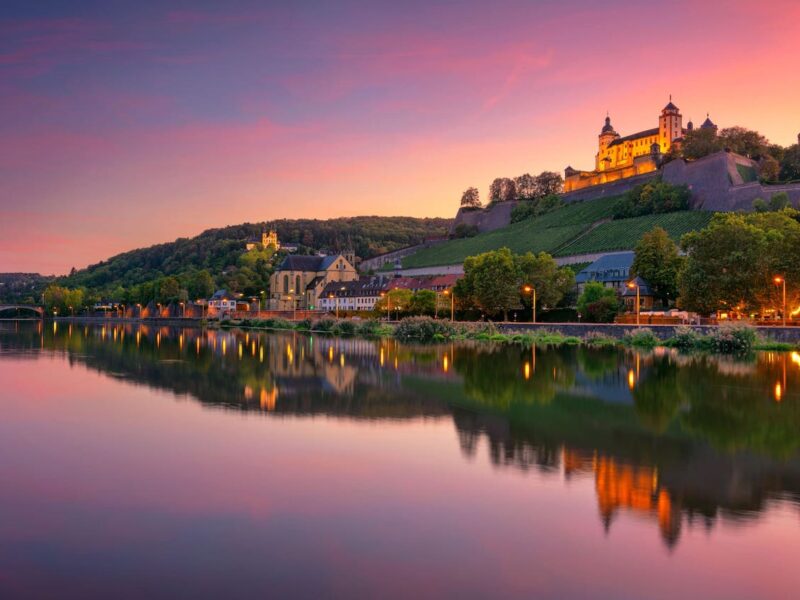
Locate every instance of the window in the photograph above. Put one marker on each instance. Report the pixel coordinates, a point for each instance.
(297, 285)
(285, 284)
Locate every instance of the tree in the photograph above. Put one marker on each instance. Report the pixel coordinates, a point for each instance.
(398, 300)
(423, 302)
(699, 143)
(526, 185)
(471, 198)
(491, 281)
(656, 261)
(724, 267)
(768, 168)
(598, 303)
(549, 182)
(744, 141)
(653, 197)
(550, 282)
(201, 285)
(790, 164)
(502, 189)
(168, 289)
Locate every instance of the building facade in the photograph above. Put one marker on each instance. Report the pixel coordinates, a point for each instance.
(621, 157)
(268, 238)
(300, 280)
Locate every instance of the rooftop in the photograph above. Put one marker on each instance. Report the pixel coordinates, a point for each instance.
(607, 269)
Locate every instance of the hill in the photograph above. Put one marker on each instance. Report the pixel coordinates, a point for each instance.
(221, 251)
(577, 228)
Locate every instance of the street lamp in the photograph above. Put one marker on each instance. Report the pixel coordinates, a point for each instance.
(183, 310)
(631, 285)
(294, 304)
(780, 280)
(332, 296)
(261, 301)
(388, 305)
(452, 304)
(532, 291)
(72, 310)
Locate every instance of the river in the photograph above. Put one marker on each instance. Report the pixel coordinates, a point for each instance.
(145, 462)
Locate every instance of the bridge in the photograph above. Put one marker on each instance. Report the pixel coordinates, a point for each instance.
(4, 308)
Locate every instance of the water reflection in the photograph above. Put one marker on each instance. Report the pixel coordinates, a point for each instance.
(680, 440)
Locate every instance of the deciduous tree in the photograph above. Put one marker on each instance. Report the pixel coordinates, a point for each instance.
(471, 198)
(656, 260)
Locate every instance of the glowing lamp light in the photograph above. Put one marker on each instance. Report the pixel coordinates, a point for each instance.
(778, 392)
(631, 379)
(526, 370)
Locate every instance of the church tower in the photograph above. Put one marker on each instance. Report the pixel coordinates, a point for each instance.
(670, 126)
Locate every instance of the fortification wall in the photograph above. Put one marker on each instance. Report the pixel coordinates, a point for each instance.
(614, 188)
(717, 185)
(498, 215)
(376, 262)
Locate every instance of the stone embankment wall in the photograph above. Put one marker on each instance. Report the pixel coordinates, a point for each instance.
(780, 334)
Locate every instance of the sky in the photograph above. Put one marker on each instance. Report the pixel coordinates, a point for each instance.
(124, 124)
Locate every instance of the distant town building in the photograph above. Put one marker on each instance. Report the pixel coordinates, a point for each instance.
(646, 296)
(621, 157)
(222, 302)
(612, 270)
(299, 280)
(359, 295)
(268, 238)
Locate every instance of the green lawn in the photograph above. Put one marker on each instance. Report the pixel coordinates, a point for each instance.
(559, 233)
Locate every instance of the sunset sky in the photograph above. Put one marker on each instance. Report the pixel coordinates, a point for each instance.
(123, 127)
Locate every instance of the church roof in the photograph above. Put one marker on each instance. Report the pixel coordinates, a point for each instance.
(634, 136)
(670, 106)
(608, 128)
(294, 262)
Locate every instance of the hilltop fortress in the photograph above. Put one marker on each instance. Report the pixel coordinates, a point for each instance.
(636, 154)
(723, 181)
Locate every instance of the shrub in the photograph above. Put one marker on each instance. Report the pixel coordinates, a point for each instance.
(423, 329)
(732, 338)
(597, 338)
(370, 327)
(685, 338)
(304, 325)
(274, 323)
(345, 327)
(643, 338)
(324, 325)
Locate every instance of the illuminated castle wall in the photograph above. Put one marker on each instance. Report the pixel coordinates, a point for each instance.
(620, 157)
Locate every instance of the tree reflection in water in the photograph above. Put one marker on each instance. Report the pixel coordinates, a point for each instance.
(678, 438)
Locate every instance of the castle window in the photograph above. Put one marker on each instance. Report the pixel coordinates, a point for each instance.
(285, 284)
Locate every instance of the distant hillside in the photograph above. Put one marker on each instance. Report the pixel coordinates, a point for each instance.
(22, 287)
(577, 228)
(220, 250)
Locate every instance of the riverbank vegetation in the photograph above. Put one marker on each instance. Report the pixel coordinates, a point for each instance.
(733, 338)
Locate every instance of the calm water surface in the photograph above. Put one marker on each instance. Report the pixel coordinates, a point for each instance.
(163, 463)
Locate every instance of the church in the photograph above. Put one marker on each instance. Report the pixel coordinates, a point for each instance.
(620, 157)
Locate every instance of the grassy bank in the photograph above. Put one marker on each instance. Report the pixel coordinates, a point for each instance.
(726, 339)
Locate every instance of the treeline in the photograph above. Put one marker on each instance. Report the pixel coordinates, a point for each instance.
(776, 163)
(221, 253)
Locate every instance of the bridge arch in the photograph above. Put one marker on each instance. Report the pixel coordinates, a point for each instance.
(17, 308)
